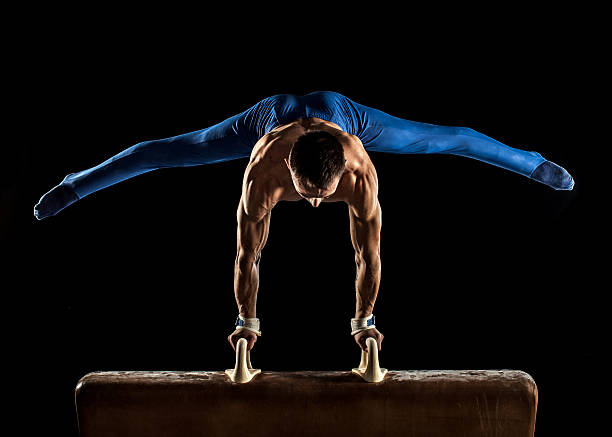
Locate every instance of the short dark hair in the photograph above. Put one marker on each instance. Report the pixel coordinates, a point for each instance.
(317, 158)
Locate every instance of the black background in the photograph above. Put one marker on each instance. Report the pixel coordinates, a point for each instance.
(481, 268)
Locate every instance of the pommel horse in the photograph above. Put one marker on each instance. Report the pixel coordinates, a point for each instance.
(244, 400)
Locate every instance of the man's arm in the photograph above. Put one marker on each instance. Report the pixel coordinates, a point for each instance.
(365, 235)
(365, 216)
(252, 233)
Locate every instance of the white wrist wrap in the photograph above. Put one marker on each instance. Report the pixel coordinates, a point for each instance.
(358, 325)
(250, 324)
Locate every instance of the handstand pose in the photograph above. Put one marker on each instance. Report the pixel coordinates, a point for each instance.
(311, 147)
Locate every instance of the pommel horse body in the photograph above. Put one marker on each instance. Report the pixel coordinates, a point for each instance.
(244, 400)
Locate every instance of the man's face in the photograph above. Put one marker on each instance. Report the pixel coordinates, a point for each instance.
(313, 194)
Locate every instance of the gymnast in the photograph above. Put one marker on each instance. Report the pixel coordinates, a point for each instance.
(311, 147)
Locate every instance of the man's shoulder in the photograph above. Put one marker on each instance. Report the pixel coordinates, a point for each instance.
(363, 199)
(258, 190)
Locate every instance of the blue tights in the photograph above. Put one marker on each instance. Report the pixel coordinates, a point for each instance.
(235, 137)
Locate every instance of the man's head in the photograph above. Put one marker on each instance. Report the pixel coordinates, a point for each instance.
(316, 163)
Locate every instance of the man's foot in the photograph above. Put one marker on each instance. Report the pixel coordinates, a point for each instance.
(54, 201)
(554, 176)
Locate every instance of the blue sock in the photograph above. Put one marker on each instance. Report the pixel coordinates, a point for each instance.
(553, 175)
(54, 201)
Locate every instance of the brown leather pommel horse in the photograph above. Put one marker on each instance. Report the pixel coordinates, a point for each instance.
(445, 403)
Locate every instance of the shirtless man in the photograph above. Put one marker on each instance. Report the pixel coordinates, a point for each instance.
(312, 147)
(269, 178)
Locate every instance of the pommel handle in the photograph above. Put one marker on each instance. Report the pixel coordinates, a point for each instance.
(243, 371)
(369, 367)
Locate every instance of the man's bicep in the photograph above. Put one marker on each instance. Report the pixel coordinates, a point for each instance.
(365, 216)
(365, 233)
(252, 232)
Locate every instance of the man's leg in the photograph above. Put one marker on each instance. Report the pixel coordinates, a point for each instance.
(381, 132)
(231, 139)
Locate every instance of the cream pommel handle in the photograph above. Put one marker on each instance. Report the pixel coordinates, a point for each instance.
(243, 371)
(369, 367)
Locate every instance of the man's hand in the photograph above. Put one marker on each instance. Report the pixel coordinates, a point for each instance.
(250, 336)
(362, 336)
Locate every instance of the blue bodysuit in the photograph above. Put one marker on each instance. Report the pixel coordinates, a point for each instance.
(235, 137)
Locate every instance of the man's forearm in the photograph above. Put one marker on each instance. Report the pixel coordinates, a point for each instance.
(246, 284)
(366, 284)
